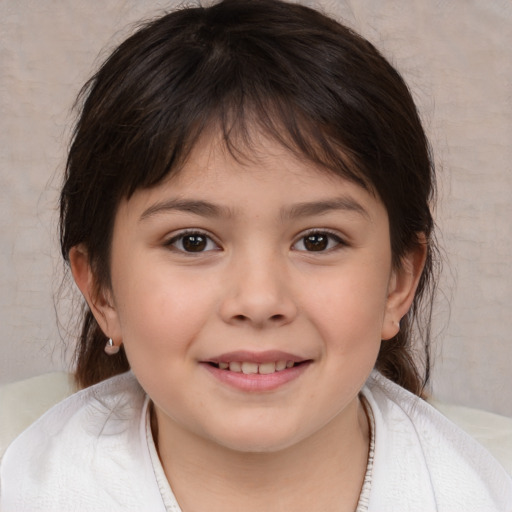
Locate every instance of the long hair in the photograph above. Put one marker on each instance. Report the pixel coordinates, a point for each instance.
(307, 81)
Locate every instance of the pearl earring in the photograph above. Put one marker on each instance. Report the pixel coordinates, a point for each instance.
(110, 348)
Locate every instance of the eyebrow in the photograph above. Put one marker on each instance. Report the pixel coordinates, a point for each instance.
(207, 209)
(310, 209)
(201, 208)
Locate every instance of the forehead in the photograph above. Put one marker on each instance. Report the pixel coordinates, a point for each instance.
(263, 176)
(213, 161)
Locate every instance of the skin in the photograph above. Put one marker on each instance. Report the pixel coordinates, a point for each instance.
(255, 287)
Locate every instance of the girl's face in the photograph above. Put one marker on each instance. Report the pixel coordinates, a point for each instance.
(251, 298)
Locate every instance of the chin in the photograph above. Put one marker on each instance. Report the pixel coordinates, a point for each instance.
(259, 440)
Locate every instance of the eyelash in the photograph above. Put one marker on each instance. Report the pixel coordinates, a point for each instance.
(338, 241)
(171, 243)
(208, 240)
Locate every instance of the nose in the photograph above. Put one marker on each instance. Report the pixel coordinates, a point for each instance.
(258, 293)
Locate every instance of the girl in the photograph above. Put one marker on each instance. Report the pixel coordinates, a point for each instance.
(246, 210)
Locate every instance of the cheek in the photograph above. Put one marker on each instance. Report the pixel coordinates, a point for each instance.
(159, 309)
(349, 305)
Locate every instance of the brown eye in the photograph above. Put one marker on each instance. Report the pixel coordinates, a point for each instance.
(192, 242)
(318, 241)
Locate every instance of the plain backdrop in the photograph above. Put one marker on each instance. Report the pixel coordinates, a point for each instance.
(457, 58)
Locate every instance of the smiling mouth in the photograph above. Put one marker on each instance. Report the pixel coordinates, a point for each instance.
(251, 368)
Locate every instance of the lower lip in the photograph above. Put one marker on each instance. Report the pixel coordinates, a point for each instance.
(256, 382)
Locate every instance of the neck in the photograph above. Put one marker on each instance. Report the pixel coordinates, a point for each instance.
(323, 472)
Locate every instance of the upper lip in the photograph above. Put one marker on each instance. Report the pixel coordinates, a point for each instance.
(266, 356)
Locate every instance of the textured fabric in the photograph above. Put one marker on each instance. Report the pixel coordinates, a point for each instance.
(168, 498)
(86, 454)
(364, 498)
(423, 462)
(92, 453)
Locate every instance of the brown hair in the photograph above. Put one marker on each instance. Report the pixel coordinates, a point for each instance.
(309, 82)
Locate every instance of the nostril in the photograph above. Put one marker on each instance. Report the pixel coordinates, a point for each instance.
(273, 318)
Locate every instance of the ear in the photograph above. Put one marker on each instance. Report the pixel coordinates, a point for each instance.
(99, 300)
(402, 288)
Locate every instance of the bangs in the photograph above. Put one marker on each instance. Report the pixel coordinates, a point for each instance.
(240, 68)
(240, 130)
(232, 70)
(166, 99)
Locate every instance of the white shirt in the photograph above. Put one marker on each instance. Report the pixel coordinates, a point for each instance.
(94, 452)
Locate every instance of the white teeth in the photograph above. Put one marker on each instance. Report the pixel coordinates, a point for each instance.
(235, 367)
(249, 368)
(280, 365)
(266, 368)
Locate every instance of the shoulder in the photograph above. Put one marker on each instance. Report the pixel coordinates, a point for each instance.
(85, 451)
(87, 414)
(429, 462)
